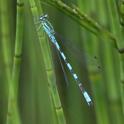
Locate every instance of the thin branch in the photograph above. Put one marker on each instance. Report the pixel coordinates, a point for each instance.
(85, 21)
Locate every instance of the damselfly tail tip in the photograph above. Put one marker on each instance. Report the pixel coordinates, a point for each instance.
(87, 98)
(43, 17)
(90, 103)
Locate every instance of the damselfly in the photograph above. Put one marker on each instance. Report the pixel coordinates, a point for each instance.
(48, 28)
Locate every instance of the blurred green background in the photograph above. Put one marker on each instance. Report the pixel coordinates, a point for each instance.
(34, 88)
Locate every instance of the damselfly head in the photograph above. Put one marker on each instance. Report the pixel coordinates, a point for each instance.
(42, 18)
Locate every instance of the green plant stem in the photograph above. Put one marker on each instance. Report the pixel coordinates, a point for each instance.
(5, 37)
(49, 68)
(120, 5)
(7, 56)
(114, 96)
(107, 61)
(13, 116)
(122, 82)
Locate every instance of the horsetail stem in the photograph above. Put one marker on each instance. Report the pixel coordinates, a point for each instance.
(53, 91)
(13, 116)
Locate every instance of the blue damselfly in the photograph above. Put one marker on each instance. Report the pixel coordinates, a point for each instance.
(48, 28)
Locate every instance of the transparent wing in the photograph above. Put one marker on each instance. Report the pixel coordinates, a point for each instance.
(61, 63)
(63, 69)
(79, 54)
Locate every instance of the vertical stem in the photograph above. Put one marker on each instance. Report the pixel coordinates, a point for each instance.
(114, 78)
(103, 21)
(5, 38)
(49, 68)
(13, 116)
(120, 4)
(6, 51)
(122, 82)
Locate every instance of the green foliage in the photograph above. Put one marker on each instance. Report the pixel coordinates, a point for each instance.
(32, 88)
